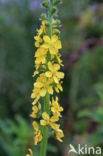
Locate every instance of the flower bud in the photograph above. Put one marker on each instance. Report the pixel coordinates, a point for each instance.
(57, 2)
(56, 32)
(45, 4)
(57, 22)
(53, 10)
(43, 16)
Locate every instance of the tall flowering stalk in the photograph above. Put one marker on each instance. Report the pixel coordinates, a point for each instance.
(47, 64)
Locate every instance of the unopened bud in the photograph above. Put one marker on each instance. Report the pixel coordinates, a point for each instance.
(57, 2)
(45, 4)
(53, 10)
(43, 16)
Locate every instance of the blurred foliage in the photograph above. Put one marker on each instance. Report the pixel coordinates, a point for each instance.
(82, 99)
(15, 136)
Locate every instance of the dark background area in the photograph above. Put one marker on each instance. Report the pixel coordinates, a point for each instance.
(82, 54)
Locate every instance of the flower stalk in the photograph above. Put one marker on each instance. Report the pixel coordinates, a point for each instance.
(47, 96)
(47, 67)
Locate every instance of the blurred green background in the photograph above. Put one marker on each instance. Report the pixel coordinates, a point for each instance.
(82, 99)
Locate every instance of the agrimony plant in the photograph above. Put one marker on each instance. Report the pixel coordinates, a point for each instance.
(47, 64)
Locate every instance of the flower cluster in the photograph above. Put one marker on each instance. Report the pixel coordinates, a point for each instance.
(48, 81)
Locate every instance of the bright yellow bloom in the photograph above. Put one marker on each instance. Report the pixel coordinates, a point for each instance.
(38, 135)
(38, 41)
(54, 73)
(53, 44)
(41, 87)
(30, 151)
(35, 109)
(55, 107)
(50, 121)
(40, 55)
(35, 94)
(59, 135)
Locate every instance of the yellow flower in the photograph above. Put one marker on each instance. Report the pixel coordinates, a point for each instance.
(55, 107)
(53, 44)
(38, 135)
(54, 73)
(38, 41)
(35, 94)
(30, 151)
(41, 87)
(50, 121)
(40, 56)
(35, 109)
(59, 135)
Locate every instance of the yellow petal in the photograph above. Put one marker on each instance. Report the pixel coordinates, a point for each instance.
(39, 106)
(38, 84)
(43, 122)
(50, 90)
(60, 75)
(37, 44)
(55, 79)
(30, 151)
(59, 135)
(35, 109)
(54, 118)
(45, 45)
(48, 74)
(45, 116)
(46, 39)
(58, 45)
(35, 101)
(55, 126)
(56, 67)
(60, 87)
(35, 125)
(52, 50)
(35, 73)
(50, 66)
(33, 95)
(43, 92)
(54, 38)
(40, 138)
(33, 115)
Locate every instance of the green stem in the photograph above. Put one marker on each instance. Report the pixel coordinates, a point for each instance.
(47, 97)
(45, 128)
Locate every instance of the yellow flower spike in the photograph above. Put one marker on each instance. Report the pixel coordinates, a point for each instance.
(30, 151)
(47, 66)
(50, 121)
(59, 135)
